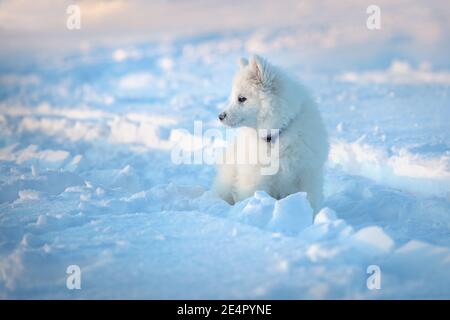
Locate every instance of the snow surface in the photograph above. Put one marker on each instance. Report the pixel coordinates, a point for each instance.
(86, 176)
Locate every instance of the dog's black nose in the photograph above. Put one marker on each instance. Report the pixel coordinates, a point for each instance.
(222, 116)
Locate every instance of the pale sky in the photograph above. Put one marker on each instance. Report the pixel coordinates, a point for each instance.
(41, 25)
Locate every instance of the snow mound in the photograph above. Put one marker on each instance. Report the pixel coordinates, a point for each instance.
(288, 216)
(256, 211)
(325, 215)
(397, 168)
(291, 214)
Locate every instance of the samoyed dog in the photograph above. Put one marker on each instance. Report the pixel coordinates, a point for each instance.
(265, 97)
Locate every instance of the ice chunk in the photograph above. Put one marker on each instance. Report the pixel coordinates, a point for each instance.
(256, 211)
(325, 215)
(291, 214)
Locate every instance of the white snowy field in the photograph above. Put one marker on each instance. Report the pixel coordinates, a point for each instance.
(86, 134)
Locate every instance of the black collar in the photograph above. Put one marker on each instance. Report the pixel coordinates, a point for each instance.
(272, 138)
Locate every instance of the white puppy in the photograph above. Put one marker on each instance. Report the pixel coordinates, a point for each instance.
(265, 97)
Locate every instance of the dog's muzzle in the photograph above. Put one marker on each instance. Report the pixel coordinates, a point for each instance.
(222, 116)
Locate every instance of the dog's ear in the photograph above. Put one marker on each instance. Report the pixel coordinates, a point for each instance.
(243, 62)
(262, 71)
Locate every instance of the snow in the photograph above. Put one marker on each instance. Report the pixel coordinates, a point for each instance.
(325, 215)
(399, 72)
(87, 176)
(398, 167)
(257, 210)
(375, 237)
(291, 214)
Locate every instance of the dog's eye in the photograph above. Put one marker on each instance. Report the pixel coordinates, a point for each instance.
(241, 99)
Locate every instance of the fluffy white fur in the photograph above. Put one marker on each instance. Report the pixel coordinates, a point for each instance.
(274, 100)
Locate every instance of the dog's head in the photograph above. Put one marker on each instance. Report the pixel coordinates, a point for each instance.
(252, 95)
